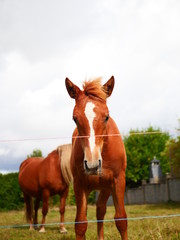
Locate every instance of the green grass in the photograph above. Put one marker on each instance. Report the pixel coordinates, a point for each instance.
(146, 229)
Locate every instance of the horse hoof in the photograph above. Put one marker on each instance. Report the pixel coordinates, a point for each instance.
(31, 229)
(63, 230)
(42, 230)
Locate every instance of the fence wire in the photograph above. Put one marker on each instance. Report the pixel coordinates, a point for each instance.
(92, 221)
(70, 137)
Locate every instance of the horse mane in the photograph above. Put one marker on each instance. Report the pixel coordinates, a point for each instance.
(64, 152)
(94, 89)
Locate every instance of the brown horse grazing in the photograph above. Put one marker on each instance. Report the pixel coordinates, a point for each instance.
(44, 177)
(98, 159)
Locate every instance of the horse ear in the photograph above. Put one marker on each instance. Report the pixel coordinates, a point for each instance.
(108, 86)
(72, 89)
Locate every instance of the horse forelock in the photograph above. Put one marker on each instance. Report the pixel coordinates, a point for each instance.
(94, 89)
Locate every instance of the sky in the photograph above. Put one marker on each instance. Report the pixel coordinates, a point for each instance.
(42, 42)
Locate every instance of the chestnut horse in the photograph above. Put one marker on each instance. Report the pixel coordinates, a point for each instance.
(98, 159)
(41, 178)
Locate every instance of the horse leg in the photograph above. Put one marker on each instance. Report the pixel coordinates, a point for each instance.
(36, 207)
(28, 202)
(81, 212)
(62, 210)
(100, 211)
(118, 198)
(45, 199)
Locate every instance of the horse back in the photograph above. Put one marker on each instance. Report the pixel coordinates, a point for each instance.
(50, 176)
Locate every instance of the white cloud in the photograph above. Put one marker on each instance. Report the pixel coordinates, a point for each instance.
(6, 171)
(3, 151)
(136, 41)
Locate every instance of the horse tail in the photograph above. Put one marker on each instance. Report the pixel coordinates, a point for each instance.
(29, 207)
(64, 152)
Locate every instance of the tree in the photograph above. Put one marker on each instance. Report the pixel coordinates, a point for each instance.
(10, 192)
(141, 149)
(35, 153)
(172, 152)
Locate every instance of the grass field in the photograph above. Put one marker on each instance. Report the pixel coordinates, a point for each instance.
(146, 229)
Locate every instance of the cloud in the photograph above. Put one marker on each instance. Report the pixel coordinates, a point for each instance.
(43, 42)
(42, 29)
(3, 151)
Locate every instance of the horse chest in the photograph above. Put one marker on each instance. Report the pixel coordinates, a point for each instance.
(98, 182)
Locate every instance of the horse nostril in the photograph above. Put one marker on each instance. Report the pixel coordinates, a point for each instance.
(99, 164)
(86, 165)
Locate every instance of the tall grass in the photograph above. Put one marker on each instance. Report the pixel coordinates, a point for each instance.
(146, 229)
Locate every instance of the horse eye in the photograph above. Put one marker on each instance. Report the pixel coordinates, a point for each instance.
(107, 117)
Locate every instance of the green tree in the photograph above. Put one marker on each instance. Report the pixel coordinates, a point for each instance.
(10, 192)
(35, 153)
(172, 152)
(141, 149)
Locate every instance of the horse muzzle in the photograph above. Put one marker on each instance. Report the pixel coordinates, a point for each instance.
(93, 167)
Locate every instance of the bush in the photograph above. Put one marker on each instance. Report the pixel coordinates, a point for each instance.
(11, 197)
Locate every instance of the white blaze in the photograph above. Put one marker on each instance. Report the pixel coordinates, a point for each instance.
(90, 115)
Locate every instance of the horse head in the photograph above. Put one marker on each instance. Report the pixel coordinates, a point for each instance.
(91, 115)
